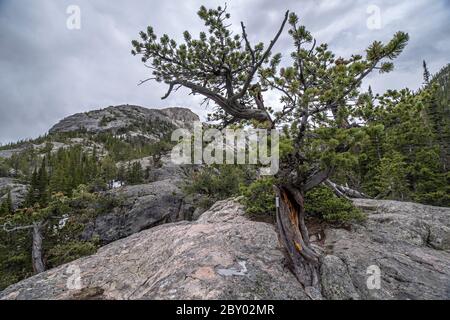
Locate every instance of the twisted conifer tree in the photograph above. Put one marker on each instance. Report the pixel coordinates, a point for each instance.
(320, 94)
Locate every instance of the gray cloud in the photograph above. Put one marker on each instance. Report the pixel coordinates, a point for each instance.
(49, 72)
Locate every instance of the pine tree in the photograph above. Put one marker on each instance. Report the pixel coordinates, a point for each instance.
(43, 184)
(317, 89)
(370, 92)
(438, 111)
(8, 203)
(391, 177)
(399, 157)
(122, 173)
(135, 174)
(3, 208)
(32, 194)
(108, 170)
(426, 73)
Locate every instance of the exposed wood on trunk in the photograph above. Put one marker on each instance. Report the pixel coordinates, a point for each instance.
(36, 253)
(36, 250)
(293, 235)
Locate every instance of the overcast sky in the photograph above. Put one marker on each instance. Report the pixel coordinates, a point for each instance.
(49, 71)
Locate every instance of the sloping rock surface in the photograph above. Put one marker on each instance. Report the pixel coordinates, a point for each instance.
(220, 256)
(225, 256)
(409, 243)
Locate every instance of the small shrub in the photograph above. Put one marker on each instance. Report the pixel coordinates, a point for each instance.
(14, 259)
(64, 253)
(323, 203)
(259, 198)
(439, 198)
(218, 182)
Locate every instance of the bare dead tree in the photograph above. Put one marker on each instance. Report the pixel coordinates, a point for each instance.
(36, 248)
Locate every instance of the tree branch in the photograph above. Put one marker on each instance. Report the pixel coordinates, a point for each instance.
(345, 192)
(260, 62)
(249, 47)
(6, 229)
(317, 178)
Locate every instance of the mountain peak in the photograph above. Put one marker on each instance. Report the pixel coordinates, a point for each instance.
(122, 117)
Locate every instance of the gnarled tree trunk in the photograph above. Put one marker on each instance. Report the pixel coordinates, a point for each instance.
(36, 252)
(293, 234)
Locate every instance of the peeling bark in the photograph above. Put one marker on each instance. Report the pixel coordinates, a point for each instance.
(293, 235)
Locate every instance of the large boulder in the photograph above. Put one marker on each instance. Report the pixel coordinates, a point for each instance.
(146, 205)
(408, 243)
(221, 256)
(142, 207)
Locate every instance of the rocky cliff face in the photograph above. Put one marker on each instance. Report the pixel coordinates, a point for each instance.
(123, 118)
(17, 189)
(225, 256)
(145, 205)
(124, 122)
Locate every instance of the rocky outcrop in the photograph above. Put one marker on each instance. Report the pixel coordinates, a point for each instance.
(409, 244)
(146, 205)
(18, 191)
(41, 148)
(143, 206)
(9, 153)
(126, 118)
(164, 169)
(180, 117)
(221, 256)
